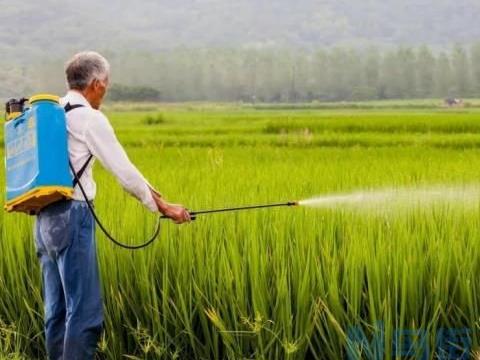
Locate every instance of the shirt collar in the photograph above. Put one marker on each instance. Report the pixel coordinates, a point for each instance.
(74, 97)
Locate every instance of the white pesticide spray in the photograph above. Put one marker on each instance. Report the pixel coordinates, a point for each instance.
(465, 196)
(384, 200)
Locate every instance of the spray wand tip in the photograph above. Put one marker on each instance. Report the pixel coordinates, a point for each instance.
(293, 203)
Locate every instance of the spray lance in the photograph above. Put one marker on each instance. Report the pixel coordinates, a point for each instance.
(241, 208)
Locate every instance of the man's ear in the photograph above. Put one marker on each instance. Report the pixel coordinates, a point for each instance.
(90, 87)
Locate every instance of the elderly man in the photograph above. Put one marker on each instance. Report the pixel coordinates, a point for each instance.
(64, 231)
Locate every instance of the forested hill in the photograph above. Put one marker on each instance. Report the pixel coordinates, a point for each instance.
(30, 28)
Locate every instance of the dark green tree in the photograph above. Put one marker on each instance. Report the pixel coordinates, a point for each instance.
(461, 71)
(444, 85)
(476, 68)
(425, 72)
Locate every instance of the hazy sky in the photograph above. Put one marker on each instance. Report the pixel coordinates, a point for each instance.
(51, 26)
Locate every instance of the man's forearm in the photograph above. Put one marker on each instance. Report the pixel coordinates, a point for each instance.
(161, 203)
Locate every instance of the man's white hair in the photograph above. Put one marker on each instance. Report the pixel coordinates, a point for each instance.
(84, 67)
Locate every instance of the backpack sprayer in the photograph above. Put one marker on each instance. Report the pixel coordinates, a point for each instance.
(38, 171)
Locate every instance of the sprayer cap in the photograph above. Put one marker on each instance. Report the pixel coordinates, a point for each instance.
(44, 97)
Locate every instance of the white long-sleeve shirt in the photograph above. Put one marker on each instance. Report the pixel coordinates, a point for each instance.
(90, 133)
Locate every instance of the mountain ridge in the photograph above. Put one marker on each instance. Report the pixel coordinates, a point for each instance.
(39, 29)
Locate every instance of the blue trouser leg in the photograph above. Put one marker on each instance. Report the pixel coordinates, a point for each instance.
(54, 307)
(79, 271)
(73, 305)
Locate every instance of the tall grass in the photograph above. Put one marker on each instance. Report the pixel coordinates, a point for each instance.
(269, 284)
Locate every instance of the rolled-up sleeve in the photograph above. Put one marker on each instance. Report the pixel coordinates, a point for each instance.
(104, 145)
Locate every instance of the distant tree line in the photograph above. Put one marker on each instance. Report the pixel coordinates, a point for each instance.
(133, 93)
(278, 75)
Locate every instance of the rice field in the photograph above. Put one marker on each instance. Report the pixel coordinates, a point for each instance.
(292, 283)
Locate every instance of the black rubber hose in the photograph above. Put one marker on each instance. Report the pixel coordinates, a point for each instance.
(104, 230)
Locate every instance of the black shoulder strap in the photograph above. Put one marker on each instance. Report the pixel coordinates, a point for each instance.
(67, 109)
(81, 171)
(70, 107)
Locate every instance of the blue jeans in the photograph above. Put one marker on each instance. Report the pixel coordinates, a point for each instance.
(65, 243)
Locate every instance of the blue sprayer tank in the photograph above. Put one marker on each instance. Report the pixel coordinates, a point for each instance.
(36, 156)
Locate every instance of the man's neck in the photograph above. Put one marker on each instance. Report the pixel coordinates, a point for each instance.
(85, 94)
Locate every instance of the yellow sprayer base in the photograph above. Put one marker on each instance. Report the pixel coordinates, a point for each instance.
(34, 200)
